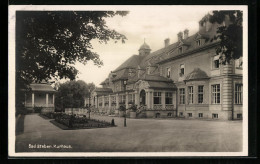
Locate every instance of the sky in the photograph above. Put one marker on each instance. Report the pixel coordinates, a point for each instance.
(152, 23)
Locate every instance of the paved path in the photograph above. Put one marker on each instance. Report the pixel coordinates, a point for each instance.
(144, 135)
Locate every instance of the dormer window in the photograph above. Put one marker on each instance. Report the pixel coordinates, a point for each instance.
(215, 63)
(180, 50)
(181, 69)
(198, 42)
(239, 63)
(168, 71)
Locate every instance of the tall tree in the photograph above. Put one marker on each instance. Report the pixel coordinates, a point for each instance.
(231, 35)
(72, 94)
(48, 43)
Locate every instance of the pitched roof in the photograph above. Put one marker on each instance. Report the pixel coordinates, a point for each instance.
(196, 74)
(103, 90)
(121, 75)
(44, 87)
(131, 62)
(161, 85)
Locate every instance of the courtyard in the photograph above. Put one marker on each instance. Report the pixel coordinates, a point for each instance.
(140, 135)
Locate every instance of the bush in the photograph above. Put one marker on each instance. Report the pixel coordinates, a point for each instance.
(133, 108)
(37, 109)
(122, 108)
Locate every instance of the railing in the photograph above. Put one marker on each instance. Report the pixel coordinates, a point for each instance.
(169, 107)
(157, 107)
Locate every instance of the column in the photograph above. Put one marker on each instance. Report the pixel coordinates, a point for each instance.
(163, 100)
(126, 100)
(32, 99)
(117, 101)
(47, 99)
(96, 101)
(53, 99)
(152, 99)
(103, 101)
(137, 99)
(149, 106)
(109, 102)
(146, 98)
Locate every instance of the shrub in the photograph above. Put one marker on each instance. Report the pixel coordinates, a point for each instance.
(37, 109)
(133, 108)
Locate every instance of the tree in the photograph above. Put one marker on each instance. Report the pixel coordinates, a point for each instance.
(230, 35)
(48, 43)
(72, 94)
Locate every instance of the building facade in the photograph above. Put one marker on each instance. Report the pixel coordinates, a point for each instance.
(41, 95)
(183, 79)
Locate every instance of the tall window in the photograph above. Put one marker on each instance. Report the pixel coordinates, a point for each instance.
(190, 94)
(168, 98)
(168, 71)
(215, 63)
(180, 50)
(133, 98)
(238, 94)
(157, 99)
(198, 42)
(182, 95)
(215, 90)
(182, 69)
(200, 94)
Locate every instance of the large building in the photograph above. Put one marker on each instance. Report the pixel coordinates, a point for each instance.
(183, 79)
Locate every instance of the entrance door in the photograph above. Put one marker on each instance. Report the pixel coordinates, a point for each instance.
(142, 97)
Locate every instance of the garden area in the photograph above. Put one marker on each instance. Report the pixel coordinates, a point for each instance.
(70, 122)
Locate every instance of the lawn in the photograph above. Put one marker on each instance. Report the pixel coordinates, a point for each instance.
(140, 135)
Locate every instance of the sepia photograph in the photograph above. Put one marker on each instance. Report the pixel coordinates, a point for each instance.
(97, 81)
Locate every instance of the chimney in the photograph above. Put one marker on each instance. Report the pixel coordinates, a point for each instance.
(180, 36)
(167, 42)
(186, 33)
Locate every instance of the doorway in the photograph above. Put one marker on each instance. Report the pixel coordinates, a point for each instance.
(142, 97)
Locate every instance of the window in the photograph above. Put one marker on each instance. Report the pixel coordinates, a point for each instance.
(157, 98)
(200, 115)
(180, 114)
(215, 62)
(180, 50)
(169, 114)
(168, 98)
(189, 114)
(190, 94)
(239, 116)
(215, 90)
(123, 98)
(198, 42)
(238, 93)
(168, 71)
(200, 94)
(181, 69)
(239, 63)
(148, 70)
(182, 95)
(214, 115)
(133, 98)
